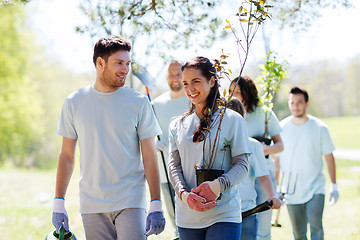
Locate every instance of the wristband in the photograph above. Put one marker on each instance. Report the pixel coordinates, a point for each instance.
(155, 206)
(182, 194)
(59, 205)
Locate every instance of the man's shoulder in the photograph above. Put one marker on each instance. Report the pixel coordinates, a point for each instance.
(132, 92)
(285, 121)
(162, 99)
(316, 121)
(81, 92)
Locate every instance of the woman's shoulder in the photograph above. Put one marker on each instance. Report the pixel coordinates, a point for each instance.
(231, 114)
(182, 120)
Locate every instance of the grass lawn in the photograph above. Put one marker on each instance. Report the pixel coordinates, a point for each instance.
(344, 131)
(26, 206)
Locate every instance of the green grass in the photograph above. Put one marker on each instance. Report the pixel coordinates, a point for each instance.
(341, 221)
(345, 131)
(24, 216)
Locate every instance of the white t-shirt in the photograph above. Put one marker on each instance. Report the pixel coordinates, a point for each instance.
(255, 122)
(301, 161)
(233, 130)
(108, 127)
(166, 109)
(257, 168)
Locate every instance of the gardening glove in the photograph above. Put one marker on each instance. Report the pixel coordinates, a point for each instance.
(197, 202)
(155, 221)
(210, 190)
(60, 216)
(160, 146)
(334, 193)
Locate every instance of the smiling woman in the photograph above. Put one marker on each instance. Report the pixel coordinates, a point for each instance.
(195, 140)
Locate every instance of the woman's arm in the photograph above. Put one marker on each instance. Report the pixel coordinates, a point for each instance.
(176, 173)
(276, 147)
(267, 185)
(237, 172)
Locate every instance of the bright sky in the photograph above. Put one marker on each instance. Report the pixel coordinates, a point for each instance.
(334, 36)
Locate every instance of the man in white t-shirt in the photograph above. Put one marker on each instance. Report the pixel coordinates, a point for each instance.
(167, 106)
(305, 140)
(111, 122)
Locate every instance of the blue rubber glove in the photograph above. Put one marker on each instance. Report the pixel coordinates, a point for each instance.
(155, 221)
(60, 216)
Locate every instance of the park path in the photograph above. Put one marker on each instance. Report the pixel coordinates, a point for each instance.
(351, 154)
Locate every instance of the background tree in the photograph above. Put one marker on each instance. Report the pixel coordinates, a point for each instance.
(162, 24)
(19, 102)
(300, 14)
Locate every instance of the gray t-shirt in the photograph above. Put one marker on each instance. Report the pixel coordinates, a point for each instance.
(108, 127)
(233, 131)
(257, 168)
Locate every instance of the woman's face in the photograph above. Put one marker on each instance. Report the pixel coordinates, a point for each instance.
(237, 92)
(196, 86)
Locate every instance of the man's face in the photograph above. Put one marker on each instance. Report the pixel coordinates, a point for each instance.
(116, 69)
(174, 77)
(297, 105)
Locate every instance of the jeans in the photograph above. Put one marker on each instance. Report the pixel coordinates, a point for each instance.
(126, 224)
(249, 227)
(264, 218)
(221, 230)
(309, 212)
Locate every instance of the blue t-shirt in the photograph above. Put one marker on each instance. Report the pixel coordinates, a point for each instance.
(301, 161)
(233, 131)
(108, 127)
(257, 168)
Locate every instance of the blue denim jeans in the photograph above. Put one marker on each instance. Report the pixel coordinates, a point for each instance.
(221, 230)
(309, 212)
(249, 228)
(264, 218)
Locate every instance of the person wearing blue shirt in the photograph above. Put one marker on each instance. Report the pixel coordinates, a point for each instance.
(257, 170)
(306, 139)
(245, 90)
(110, 122)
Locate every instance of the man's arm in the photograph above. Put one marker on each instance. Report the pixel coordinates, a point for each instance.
(64, 171)
(151, 169)
(155, 221)
(330, 162)
(334, 192)
(65, 166)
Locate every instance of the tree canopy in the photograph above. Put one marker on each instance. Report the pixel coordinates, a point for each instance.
(161, 24)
